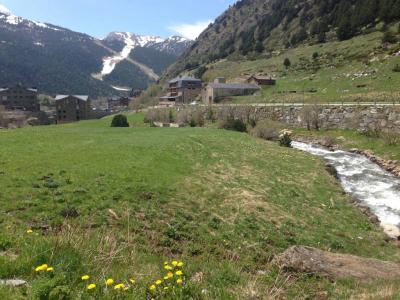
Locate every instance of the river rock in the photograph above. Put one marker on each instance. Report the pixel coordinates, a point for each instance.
(332, 170)
(392, 231)
(13, 282)
(336, 266)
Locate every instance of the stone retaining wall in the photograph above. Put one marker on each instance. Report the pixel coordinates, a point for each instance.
(330, 117)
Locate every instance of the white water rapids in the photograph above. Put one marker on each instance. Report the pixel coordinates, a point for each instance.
(364, 180)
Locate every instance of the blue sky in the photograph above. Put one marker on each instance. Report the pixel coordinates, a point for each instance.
(99, 17)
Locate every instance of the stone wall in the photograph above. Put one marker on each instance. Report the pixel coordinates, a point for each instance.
(326, 117)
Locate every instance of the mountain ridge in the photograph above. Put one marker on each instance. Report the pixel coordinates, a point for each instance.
(59, 60)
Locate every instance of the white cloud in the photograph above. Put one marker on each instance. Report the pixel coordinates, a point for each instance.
(190, 31)
(4, 10)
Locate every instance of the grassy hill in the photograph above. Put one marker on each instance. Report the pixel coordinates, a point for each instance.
(359, 69)
(345, 50)
(222, 202)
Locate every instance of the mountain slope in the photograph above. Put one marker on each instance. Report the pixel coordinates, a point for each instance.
(257, 26)
(58, 60)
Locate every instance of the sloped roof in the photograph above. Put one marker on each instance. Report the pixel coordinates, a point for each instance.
(81, 97)
(234, 86)
(261, 77)
(184, 78)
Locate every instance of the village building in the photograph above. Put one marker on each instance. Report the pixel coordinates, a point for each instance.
(261, 80)
(135, 93)
(182, 90)
(20, 98)
(117, 103)
(72, 108)
(220, 89)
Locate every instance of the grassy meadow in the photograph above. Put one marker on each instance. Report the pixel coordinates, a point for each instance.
(360, 69)
(116, 203)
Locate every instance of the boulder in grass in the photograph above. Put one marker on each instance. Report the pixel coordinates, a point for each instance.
(13, 282)
(336, 266)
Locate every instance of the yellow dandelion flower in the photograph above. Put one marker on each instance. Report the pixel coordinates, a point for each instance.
(38, 269)
(91, 286)
(168, 267)
(109, 281)
(85, 277)
(158, 282)
(44, 266)
(119, 286)
(179, 273)
(152, 287)
(180, 264)
(166, 288)
(126, 288)
(174, 263)
(170, 274)
(179, 281)
(165, 263)
(166, 277)
(50, 269)
(132, 280)
(29, 231)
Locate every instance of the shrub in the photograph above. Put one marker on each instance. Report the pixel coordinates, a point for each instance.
(285, 138)
(391, 138)
(119, 121)
(330, 141)
(159, 115)
(192, 117)
(310, 115)
(233, 124)
(389, 37)
(267, 130)
(287, 63)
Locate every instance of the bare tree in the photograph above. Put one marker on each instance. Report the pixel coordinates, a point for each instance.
(310, 115)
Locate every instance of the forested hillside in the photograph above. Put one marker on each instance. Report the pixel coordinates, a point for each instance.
(257, 26)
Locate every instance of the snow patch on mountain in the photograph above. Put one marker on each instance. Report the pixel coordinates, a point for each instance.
(4, 10)
(131, 41)
(9, 18)
(109, 63)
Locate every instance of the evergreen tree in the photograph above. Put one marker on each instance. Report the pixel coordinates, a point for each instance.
(287, 63)
(345, 30)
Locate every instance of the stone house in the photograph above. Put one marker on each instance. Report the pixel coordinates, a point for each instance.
(20, 98)
(261, 80)
(72, 108)
(220, 89)
(182, 90)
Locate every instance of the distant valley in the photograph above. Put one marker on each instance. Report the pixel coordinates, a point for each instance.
(58, 60)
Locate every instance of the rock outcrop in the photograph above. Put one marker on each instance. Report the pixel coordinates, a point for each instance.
(336, 266)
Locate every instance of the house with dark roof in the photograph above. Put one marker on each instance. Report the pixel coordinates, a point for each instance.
(261, 80)
(220, 89)
(72, 108)
(19, 98)
(182, 90)
(117, 103)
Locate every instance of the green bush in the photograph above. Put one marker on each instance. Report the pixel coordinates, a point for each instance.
(235, 125)
(389, 37)
(119, 121)
(267, 130)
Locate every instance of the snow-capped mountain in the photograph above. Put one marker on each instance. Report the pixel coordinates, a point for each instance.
(124, 42)
(58, 60)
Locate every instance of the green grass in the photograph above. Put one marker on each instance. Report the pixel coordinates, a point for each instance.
(223, 202)
(331, 75)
